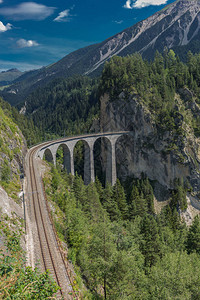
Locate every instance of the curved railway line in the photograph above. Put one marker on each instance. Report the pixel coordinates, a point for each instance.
(45, 247)
(48, 250)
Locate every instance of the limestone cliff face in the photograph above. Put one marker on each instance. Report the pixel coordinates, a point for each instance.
(147, 150)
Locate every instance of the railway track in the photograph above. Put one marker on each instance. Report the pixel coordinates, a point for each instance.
(43, 244)
(47, 246)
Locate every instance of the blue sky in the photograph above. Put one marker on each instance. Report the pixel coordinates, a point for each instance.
(37, 33)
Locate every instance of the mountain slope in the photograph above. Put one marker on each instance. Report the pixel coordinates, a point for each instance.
(177, 25)
(12, 152)
(66, 106)
(7, 77)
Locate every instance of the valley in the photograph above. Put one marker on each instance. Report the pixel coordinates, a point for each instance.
(100, 166)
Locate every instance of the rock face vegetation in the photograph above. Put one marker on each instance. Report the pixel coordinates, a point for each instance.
(158, 102)
(16, 281)
(138, 239)
(118, 245)
(121, 245)
(12, 151)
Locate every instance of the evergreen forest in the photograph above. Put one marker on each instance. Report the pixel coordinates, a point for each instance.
(118, 244)
(64, 107)
(159, 84)
(70, 106)
(121, 246)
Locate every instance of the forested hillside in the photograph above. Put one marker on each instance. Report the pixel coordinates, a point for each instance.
(12, 151)
(120, 247)
(16, 281)
(157, 83)
(140, 238)
(69, 106)
(64, 107)
(31, 133)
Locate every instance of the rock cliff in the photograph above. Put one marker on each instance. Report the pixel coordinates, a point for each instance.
(147, 149)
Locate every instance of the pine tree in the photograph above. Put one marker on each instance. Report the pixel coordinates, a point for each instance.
(99, 188)
(110, 204)
(193, 240)
(148, 194)
(79, 190)
(133, 206)
(120, 198)
(96, 257)
(179, 199)
(151, 247)
(92, 205)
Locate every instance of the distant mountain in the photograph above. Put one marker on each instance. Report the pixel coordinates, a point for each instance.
(176, 26)
(7, 77)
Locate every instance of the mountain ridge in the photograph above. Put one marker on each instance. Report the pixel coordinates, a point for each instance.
(177, 25)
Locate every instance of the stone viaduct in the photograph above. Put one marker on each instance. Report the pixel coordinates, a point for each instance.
(89, 140)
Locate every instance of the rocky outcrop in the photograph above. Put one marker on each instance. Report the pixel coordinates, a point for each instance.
(8, 206)
(147, 150)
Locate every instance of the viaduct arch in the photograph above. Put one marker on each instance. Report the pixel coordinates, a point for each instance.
(89, 140)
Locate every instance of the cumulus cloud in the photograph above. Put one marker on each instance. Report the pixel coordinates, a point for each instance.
(64, 16)
(4, 28)
(130, 4)
(22, 43)
(27, 11)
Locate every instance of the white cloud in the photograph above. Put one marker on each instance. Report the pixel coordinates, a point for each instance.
(22, 43)
(130, 4)
(119, 22)
(64, 16)
(1, 1)
(4, 28)
(27, 11)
